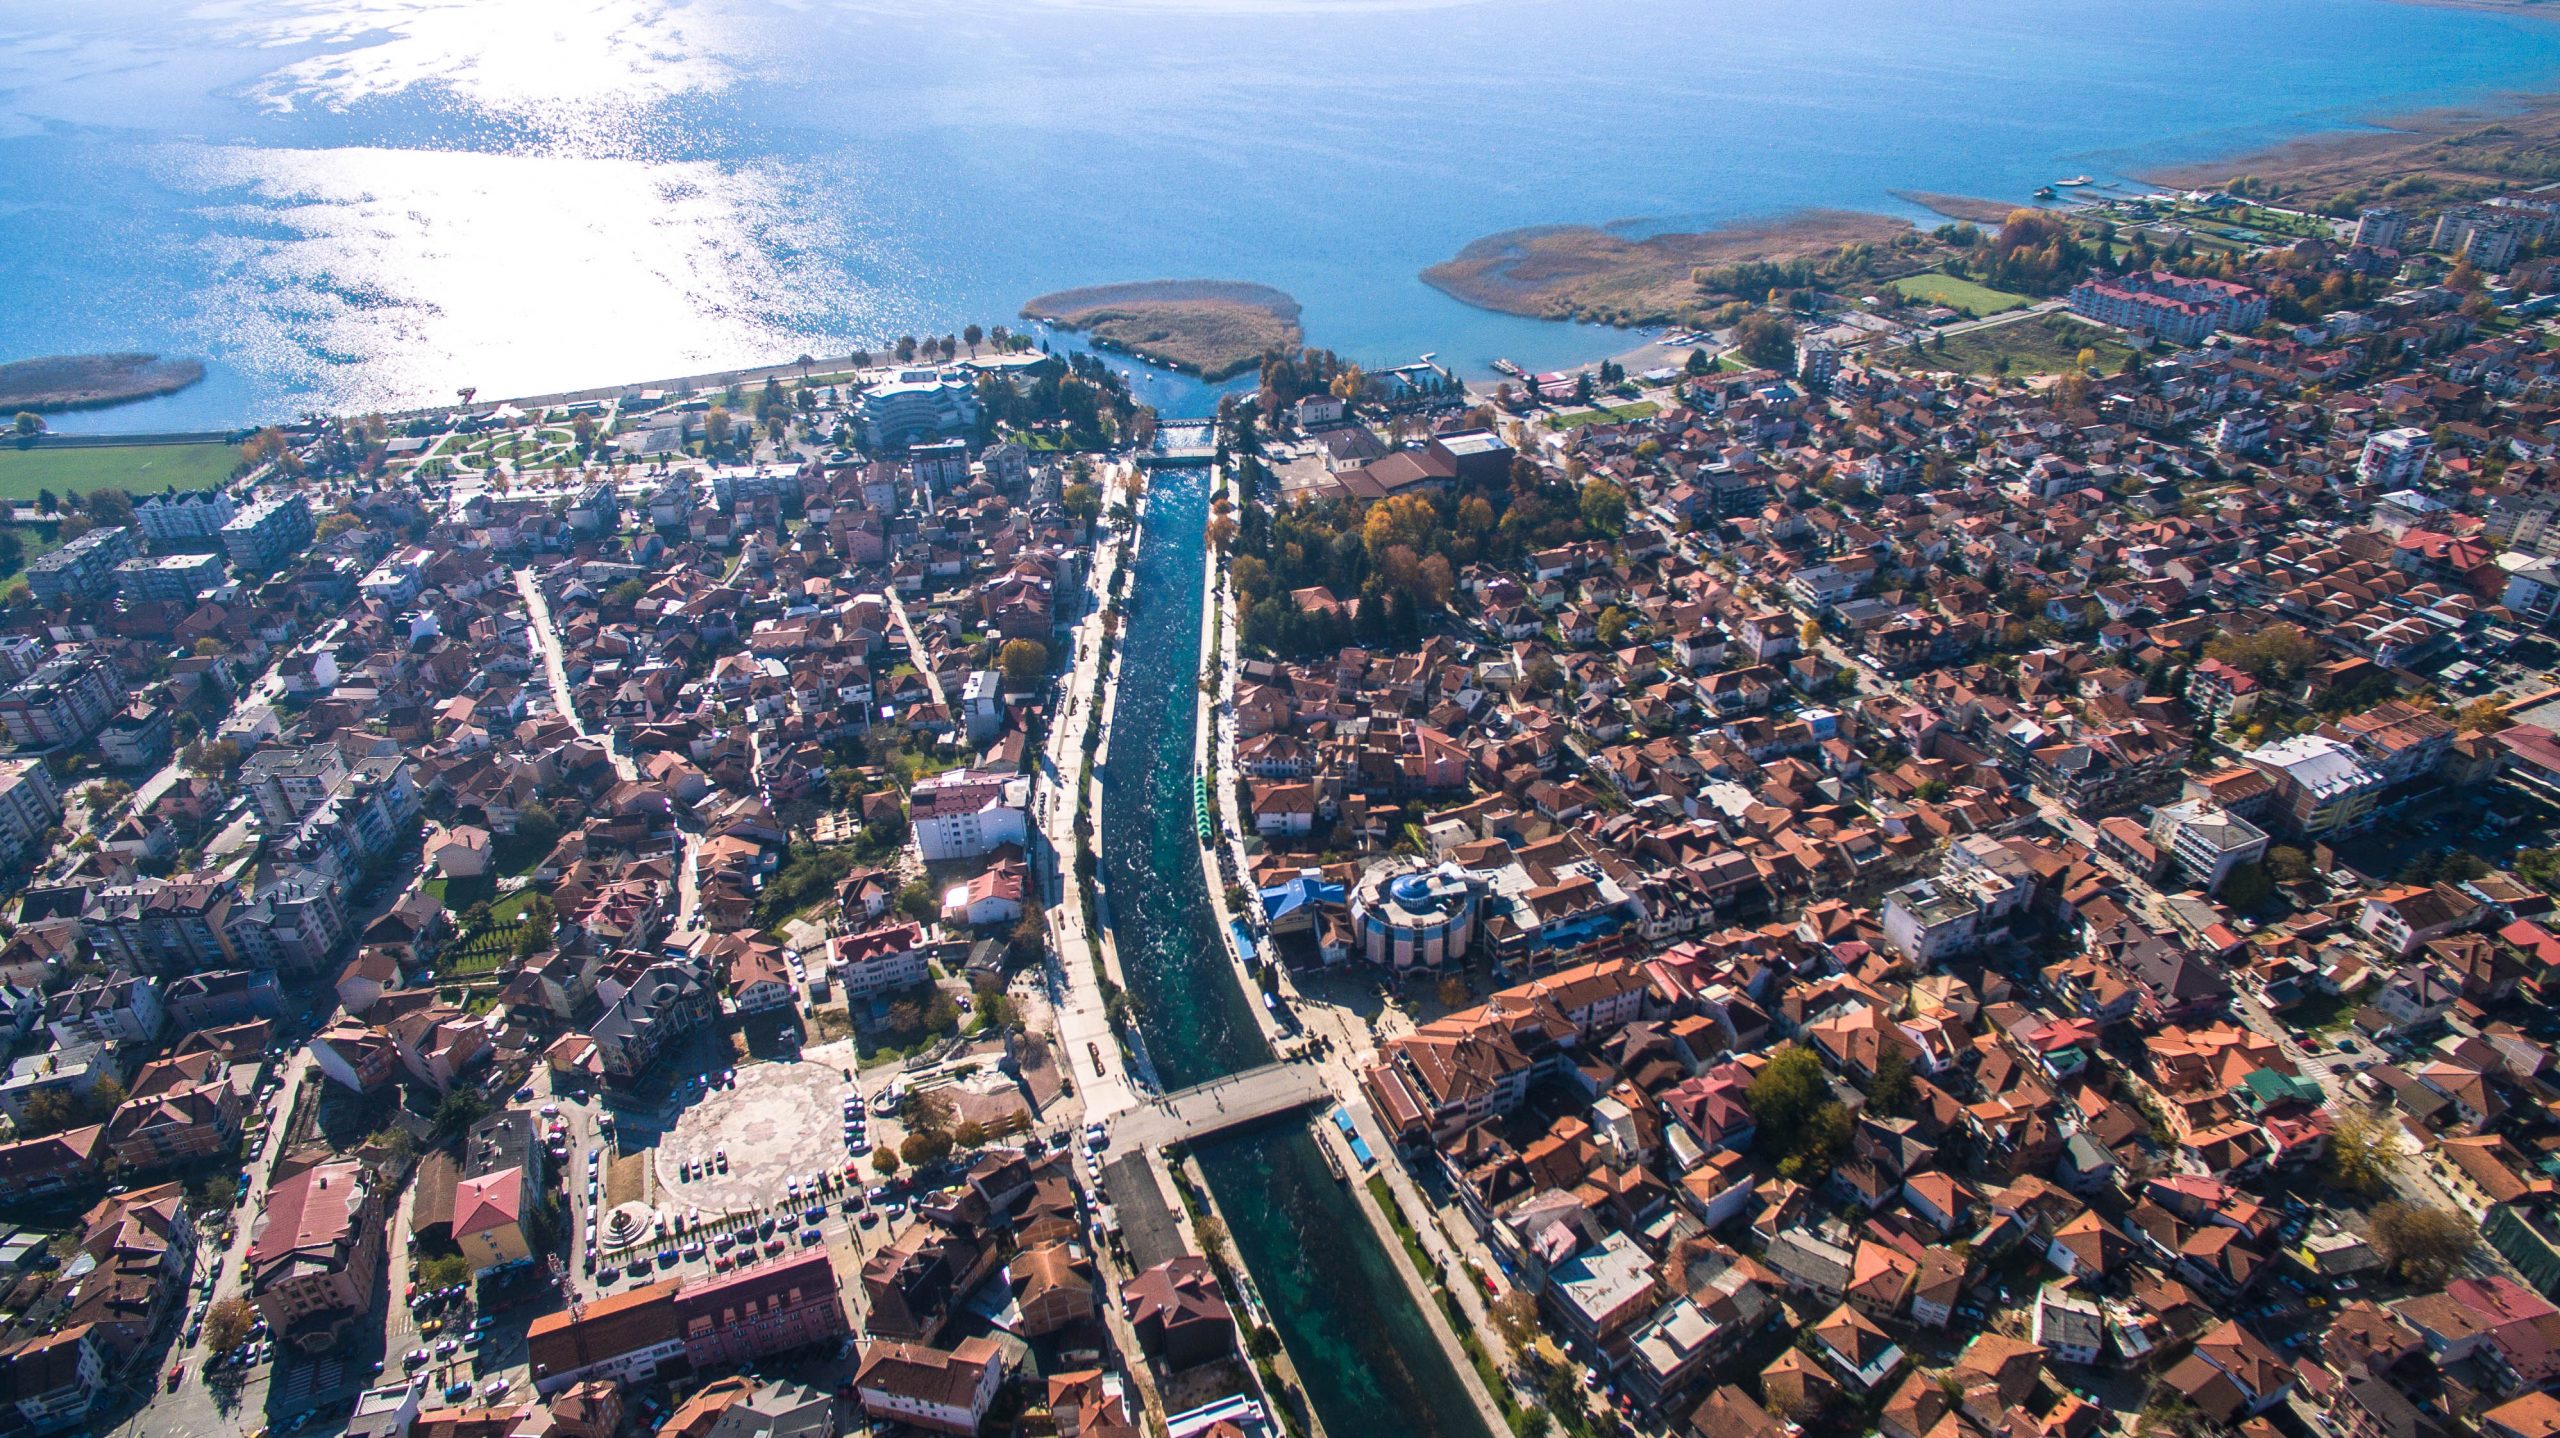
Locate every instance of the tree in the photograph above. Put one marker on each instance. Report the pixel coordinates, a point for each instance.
(1604, 507)
(1890, 1089)
(1515, 1318)
(715, 427)
(333, 525)
(1023, 661)
(227, 1324)
(2422, 1244)
(2247, 886)
(47, 1110)
(29, 424)
(111, 506)
(1452, 992)
(930, 1111)
(2276, 654)
(212, 759)
(1698, 363)
(1212, 1234)
(2360, 1157)
(1082, 502)
(925, 1148)
(916, 901)
(2288, 864)
(2485, 715)
(1796, 1117)
(1767, 342)
(970, 337)
(883, 1162)
(459, 1110)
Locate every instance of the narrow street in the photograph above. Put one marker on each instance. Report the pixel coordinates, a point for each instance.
(546, 636)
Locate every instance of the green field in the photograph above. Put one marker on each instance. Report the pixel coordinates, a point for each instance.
(137, 469)
(1619, 414)
(2046, 344)
(1980, 301)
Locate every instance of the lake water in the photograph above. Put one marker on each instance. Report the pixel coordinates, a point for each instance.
(342, 204)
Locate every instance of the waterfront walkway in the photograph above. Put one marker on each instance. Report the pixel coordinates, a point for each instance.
(1090, 1049)
(1221, 1104)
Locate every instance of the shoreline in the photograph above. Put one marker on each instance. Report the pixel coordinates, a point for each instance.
(2434, 155)
(2335, 155)
(1597, 276)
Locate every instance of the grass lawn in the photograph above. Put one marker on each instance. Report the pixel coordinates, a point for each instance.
(1617, 414)
(1980, 301)
(137, 469)
(2047, 344)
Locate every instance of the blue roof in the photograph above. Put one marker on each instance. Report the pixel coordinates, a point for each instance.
(1297, 894)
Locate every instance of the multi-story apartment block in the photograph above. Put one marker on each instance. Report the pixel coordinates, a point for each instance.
(82, 570)
(2322, 787)
(668, 1001)
(265, 535)
(184, 518)
(286, 784)
(2395, 458)
(162, 926)
(2206, 843)
(2173, 307)
(30, 804)
(168, 578)
(67, 699)
(398, 578)
(878, 961)
(296, 920)
(2483, 236)
(315, 1253)
(2382, 227)
(967, 814)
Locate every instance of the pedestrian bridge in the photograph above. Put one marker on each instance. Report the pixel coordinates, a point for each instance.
(1219, 1104)
(1181, 445)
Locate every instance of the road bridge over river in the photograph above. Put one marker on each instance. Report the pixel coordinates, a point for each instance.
(1219, 1104)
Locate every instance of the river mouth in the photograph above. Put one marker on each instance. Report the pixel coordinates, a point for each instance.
(1366, 1354)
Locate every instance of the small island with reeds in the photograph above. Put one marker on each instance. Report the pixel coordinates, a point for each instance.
(93, 381)
(1210, 328)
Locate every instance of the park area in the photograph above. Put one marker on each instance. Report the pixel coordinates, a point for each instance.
(1979, 301)
(1609, 414)
(2044, 344)
(137, 469)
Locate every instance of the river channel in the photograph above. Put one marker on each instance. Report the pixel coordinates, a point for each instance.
(1365, 1351)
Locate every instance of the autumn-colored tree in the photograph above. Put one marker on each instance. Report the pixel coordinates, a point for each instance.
(2360, 1156)
(2422, 1244)
(1023, 661)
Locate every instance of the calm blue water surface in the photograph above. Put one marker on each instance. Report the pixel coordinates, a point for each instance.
(342, 204)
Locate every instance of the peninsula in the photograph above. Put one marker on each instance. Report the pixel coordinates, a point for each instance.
(1585, 273)
(2435, 155)
(1211, 328)
(92, 381)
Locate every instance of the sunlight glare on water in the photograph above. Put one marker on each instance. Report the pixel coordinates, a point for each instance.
(503, 272)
